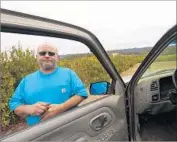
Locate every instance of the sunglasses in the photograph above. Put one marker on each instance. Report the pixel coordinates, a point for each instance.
(43, 53)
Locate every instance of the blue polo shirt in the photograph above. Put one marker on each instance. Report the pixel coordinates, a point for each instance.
(54, 88)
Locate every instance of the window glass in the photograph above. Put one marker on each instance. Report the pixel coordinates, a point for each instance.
(165, 62)
(19, 59)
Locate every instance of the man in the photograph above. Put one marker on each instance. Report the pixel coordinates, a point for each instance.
(49, 91)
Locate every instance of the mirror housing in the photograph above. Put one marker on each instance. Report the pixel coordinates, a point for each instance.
(100, 88)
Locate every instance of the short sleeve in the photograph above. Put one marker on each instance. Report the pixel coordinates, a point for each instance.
(78, 87)
(17, 98)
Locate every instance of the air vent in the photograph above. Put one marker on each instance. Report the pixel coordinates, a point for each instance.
(154, 86)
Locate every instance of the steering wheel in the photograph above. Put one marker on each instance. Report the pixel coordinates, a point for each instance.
(173, 93)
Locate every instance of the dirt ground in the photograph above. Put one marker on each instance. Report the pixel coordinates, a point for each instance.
(13, 128)
(130, 71)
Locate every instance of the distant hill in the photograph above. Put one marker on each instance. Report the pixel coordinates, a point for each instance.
(71, 56)
(131, 50)
(168, 51)
(110, 52)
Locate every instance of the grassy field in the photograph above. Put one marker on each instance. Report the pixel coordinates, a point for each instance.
(171, 57)
(162, 66)
(154, 67)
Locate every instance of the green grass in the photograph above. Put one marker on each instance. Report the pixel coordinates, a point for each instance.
(162, 66)
(158, 66)
(171, 57)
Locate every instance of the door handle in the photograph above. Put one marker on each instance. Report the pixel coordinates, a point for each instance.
(99, 122)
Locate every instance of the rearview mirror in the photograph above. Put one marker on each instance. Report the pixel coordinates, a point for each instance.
(100, 88)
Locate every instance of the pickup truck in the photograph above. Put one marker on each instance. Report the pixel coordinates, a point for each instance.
(143, 108)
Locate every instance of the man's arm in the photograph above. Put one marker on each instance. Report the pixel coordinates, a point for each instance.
(22, 111)
(36, 109)
(17, 103)
(78, 90)
(73, 101)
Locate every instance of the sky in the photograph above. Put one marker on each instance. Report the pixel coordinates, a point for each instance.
(117, 24)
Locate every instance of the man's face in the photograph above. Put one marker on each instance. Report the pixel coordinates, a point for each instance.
(47, 57)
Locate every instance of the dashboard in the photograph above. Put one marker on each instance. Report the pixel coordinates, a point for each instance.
(156, 93)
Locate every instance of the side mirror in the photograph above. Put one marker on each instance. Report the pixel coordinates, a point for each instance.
(100, 88)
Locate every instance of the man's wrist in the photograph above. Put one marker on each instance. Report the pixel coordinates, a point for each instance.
(23, 110)
(28, 110)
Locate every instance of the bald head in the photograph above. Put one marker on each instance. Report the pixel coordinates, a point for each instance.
(47, 47)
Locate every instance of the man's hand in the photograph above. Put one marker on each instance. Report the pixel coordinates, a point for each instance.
(35, 109)
(53, 110)
(38, 108)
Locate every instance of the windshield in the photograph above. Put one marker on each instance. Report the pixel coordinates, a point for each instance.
(165, 63)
